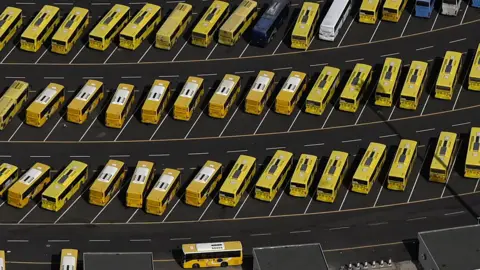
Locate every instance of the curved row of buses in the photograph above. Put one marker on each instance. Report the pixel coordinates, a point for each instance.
(154, 106)
(194, 255)
(154, 196)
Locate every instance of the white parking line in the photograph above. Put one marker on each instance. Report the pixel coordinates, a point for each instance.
(79, 156)
(457, 40)
(126, 124)
(389, 54)
(305, 231)
(181, 238)
(435, 21)
(140, 240)
(53, 78)
(388, 136)
(453, 165)
(375, 31)
(168, 76)
(16, 78)
(75, 57)
(338, 228)
(282, 68)
(276, 203)
(424, 48)
(454, 213)
(58, 241)
(92, 78)
(220, 236)
(261, 121)
(40, 156)
(36, 62)
(244, 50)
(344, 198)
(5, 156)
(354, 60)
(159, 155)
(244, 72)
(114, 50)
(81, 194)
(181, 49)
(461, 124)
(26, 215)
(418, 218)
(260, 234)
(425, 130)
(100, 4)
(119, 156)
(145, 53)
(198, 154)
(364, 105)
(25, 3)
(344, 35)
(475, 189)
(56, 124)
(111, 199)
(208, 206)
(161, 123)
(131, 77)
(237, 151)
(175, 205)
(313, 144)
(208, 56)
(65, 4)
(281, 40)
(244, 201)
(207, 74)
(17, 241)
(190, 130)
(353, 140)
(134, 213)
(378, 196)
(418, 174)
(11, 50)
(465, 12)
(294, 120)
(231, 117)
(99, 240)
(331, 111)
(275, 148)
(317, 65)
(378, 223)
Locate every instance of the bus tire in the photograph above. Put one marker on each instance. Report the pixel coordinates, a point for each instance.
(224, 264)
(196, 265)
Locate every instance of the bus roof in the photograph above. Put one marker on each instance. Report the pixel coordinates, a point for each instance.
(204, 176)
(356, 80)
(141, 175)
(5, 105)
(27, 178)
(393, 4)
(155, 95)
(475, 71)
(417, 71)
(164, 183)
(369, 5)
(324, 82)
(444, 149)
(279, 160)
(225, 89)
(189, 89)
(403, 157)
(369, 160)
(7, 169)
(105, 177)
(211, 16)
(269, 16)
(75, 17)
(305, 166)
(16, 89)
(7, 17)
(177, 15)
(121, 97)
(43, 17)
(335, 163)
(45, 97)
(239, 170)
(111, 18)
(85, 94)
(390, 72)
(334, 13)
(260, 86)
(211, 247)
(64, 179)
(473, 157)
(140, 19)
(239, 15)
(306, 17)
(291, 85)
(450, 66)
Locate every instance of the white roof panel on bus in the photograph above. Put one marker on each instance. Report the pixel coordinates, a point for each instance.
(46, 95)
(30, 175)
(120, 97)
(205, 247)
(225, 87)
(140, 175)
(164, 182)
(204, 174)
(291, 84)
(156, 92)
(107, 173)
(260, 84)
(189, 89)
(2, 264)
(334, 13)
(68, 261)
(86, 92)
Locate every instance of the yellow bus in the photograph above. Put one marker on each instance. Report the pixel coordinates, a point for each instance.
(30, 184)
(332, 177)
(448, 76)
(303, 175)
(188, 99)
(140, 183)
(369, 11)
(140, 27)
(442, 162)
(68, 259)
(120, 106)
(474, 76)
(205, 29)
(45, 105)
(163, 192)
(108, 28)
(174, 26)
(387, 84)
(2, 260)
(304, 29)
(12, 102)
(322, 91)
(156, 102)
(393, 9)
(472, 162)
(369, 168)
(8, 175)
(40, 28)
(237, 181)
(225, 96)
(355, 88)
(203, 183)
(243, 16)
(212, 254)
(10, 20)
(291, 92)
(273, 176)
(260, 92)
(70, 30)
(402, 165)
(414, 85)
(85, 102)
(64, 186)
(107, 183)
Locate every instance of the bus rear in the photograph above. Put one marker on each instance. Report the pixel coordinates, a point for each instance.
(203, 255)
(156, 102)
(290, 93)
(369, 168)
(231, 31)
(474, 75)
(322, 91)
(30, 184)
(334, 19)
(140, 183)
(391, 71)
(12, 102)
(402, 165)
(237, 181)
(203, 183)
(393, 9)
(271, 20)
(224, 96)
(303, 175)
(10, 20)
(204, 31)
(188, 99)
(8, 176)
(120, 106)
(450, 7)
(355, 88)
(70, 30)
(332, 177)
(85, 102)
(369, 11)
(140, 27)
(273, 176)
(472, 162)
(424, 8)
(108, 27)
(448, 76)
(45, 105)
(414, 85)
(259, 92)
(174, 26)
(163, 192)
(40, 28)
(442, 162)
(304, 28)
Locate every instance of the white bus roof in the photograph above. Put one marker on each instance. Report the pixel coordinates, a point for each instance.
(208, 247)
(156, 92)
(30, 175)
(189, 89)
(46, 95)
(225, 87)
(291, 84)
(107, 173)
(120, 97)
(68, 261)
(164, 182)
(261, 83)
(86, 92)
(140, 175)
(334, 13)
(204, 174)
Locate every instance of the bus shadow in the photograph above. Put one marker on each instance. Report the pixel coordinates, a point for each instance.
(187, 33)
(429, 156)
(276, 89)
(324, 7)
(55, 262)
(309, 85)
(467, 62)
(434, 70)
(260, 168)
(226, 170)
(63, 109)
(286, 40)
(245, 88)
(247, 35)
(321, 166)
(208, 93)
(176, 93)
(353, 164)
(369, 96)
(122, 192)
(335, 101)
(390, 156)
(95, 172)
(142, 97)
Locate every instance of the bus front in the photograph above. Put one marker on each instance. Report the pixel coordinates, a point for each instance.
(50, 198)
(263, 191)
(472, 162)
(423, 8)
(263, 32)
(368, 11)
(8, 175)
(450, 7)
(474, 76)
(348, 100)
(392, 10)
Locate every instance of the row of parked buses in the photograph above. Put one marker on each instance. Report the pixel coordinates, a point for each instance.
(194, 255)
(132, 32)
(227, 92)
(154, 196)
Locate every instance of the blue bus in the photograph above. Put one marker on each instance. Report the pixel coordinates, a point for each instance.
(476, 3)
(267, 26)
(424, 8)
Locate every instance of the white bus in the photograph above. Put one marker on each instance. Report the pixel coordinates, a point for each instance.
(333, 21)
(450, 7)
